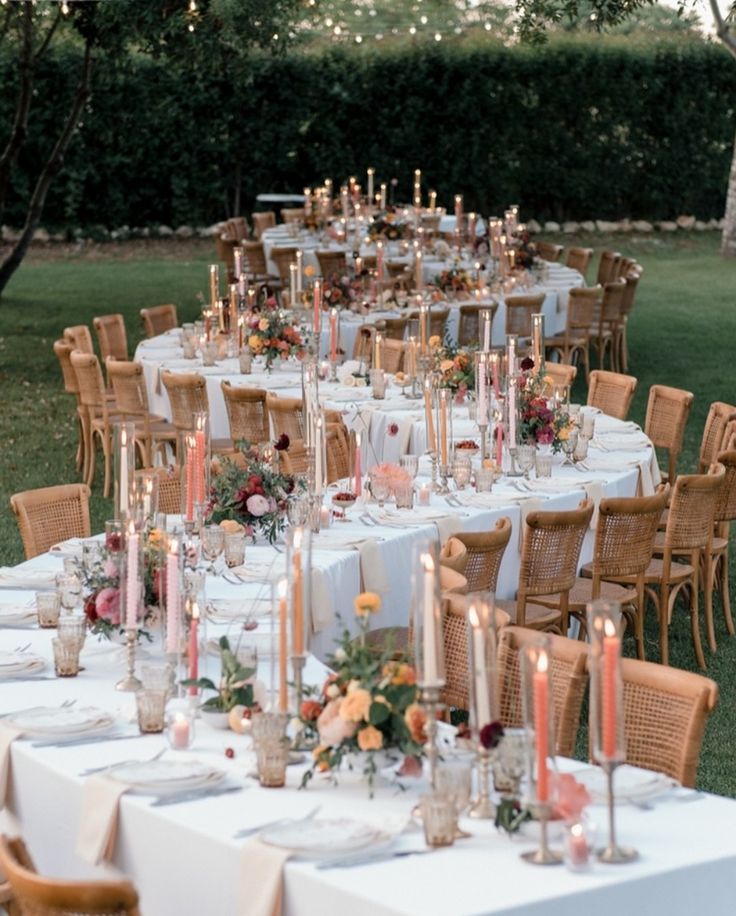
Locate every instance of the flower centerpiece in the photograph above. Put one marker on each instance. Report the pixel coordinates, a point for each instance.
(540, 421)
(454, 280)
(237, 686)
(525, 251)
(252, 491)
(396, 476)
(389, 225)
(369, 704)
(274, 336)
(101, 582)
(342, 292)
(455, 367)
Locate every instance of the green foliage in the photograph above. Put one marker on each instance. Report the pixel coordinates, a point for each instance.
(235, 688)
(646, 133)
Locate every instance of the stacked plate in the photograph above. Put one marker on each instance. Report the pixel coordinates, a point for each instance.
(630, 784)
(316, 839)
(61, 722)
(165, 777)
(16, 614)
(13, 664)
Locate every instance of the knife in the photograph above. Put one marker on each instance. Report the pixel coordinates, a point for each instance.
(78, 742)
(371, 858)
(194, 795)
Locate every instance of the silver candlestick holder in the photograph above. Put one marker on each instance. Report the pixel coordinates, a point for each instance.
(333, 371)
(513, 470)
(483, 808)
(429, 697)
(130, 682)
(613, 854)
(543, 855)
(435, 463)
(483, 430)
(445, 475)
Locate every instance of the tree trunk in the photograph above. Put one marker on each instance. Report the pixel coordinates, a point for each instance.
(54, 163)
(728, 238)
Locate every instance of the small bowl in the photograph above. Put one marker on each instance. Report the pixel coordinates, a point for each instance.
(344, 500)
(215, 718)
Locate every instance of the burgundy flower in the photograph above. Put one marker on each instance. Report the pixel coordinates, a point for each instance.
(282, 443)
(491, 734)
(393, 429)
(527, 363)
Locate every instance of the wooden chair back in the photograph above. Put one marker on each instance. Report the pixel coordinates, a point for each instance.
(568, 674)
(394, 328)
(719, 416)
(129, 387)
(624, 537)
(331, 262)
(255, 258)
(560, 374)
(236, 228)
(247, 413)
(667, 412)
(469, 327)
(665, 713)
(692, 511)
(187, 393)
(631, 278)
(35, 895)
(111, 336)
(292, 214)
(611, 392)
(266, 219)
(392, 355)
(159, 318)
(49, 515)
(579, 259)
(80, 337)
(607, 267)
(169, 488)
(726, 502)
(287, 416)
(337, 442)
(283, 258)
(549, 252)
(295, 459)
(519, 311)
(92, 394)
(582, 305)
(63, 351)
(485, 550)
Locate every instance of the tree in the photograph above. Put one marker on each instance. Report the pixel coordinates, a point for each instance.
(188, 32)
(536, 16)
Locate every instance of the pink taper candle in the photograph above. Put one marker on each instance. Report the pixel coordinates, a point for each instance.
(189, 512)
(131, 582)
(172, 598)
(541, 726)
(317, 306)
(199, 465)
(611, 652)
(194, 648)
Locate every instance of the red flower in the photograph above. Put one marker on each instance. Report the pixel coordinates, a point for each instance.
(393, 429)
(310, 710)
(527, 364)
(282, 443)
(491, 734)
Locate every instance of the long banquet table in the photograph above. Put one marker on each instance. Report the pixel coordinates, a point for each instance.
(184, 860)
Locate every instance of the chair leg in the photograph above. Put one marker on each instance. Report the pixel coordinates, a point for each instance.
(695, 622)
(107, 452)
(708, 599)
(664, 601)
(725, 595)
(639, 622)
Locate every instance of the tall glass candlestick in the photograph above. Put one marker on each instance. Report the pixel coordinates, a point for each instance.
(124, 470)
(481, 625)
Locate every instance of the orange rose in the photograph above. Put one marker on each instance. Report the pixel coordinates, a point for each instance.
(310, 710)
(416, 720)
(356, 705)
(370, 739)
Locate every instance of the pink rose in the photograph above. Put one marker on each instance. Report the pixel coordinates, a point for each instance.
(257, 505)
(111, 570)
(332, 728)
(107, 605)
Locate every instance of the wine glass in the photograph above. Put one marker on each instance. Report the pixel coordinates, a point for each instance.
(213, 544)
(381, 489)
(69, 587)
(525, 458)
(510, 762)
(569, 445)
(410, 463)
(454, 778)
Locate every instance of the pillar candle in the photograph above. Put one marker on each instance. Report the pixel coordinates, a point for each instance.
(189, 511)
(378, 351)
(512, 412)
(358, 487)
(611, 653)
(479, 667)
(380, 267)
(432, 201)
(458, 210)
(486, 316)
(293, 269)
(317, 306)
(123, 494)
(495, 375)
(281, 590)
(538, 341)
(207, 313)
(307, 201)
(194, 647)
(333, 335)
(428, 419)
(237, 261)
(423, 329)
(472, 219)
(383, 196)
(480, 390)
(541, 725)
(233, 307)
(319, 444)
(132, 579)
(173, 613)
(499, 445)
(199, 449)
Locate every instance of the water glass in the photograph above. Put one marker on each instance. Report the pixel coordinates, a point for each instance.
(455, 778)
(588, 427)
(272, 758)
(380, 488)
(69, 587)
(72, 629)
(439, 816)
(378, 384)
(189, 347)
(246, 361)
(209, 353)
(66, 658)
(461, 471)
(410, 463)
(483, 480)
(525, 457)
(90, 555)
(268, 726)
(404, 496)
(213, 542)
(156, 677)
(581, 448)
(48, 605)
(235, 549)
(151, 705)
(544, 464)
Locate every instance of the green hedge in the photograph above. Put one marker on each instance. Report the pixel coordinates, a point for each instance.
(570, 130)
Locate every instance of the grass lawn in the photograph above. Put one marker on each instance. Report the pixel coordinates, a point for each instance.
(681, 334)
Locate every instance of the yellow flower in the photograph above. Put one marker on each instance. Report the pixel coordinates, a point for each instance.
(356, 706)
(370, 739)
(309, 271)
(564, 433)
(255, 343)
(230, 526)
(434, 341)
(263, 324)
(155, 537)
(416, 720)
(399, 673)
(447, 365)
(367, 603)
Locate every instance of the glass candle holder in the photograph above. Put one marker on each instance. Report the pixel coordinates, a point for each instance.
(581, 448)
(156, 677)
(483, 480)
(151, 706)
(378, 383)
(461, 472)
(91, 555)
(544, 464)
(439, 817)
(404, 494)
(69, 589)
(113, 535)
(48, 606)
(272, 758)
(577, 846)
(180, 721)
(66, 658)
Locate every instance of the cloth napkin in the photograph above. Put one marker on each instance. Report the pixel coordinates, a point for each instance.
(98, 823)
(323, 609)
(630, 443)
(262, 879)
(646, 483)
(8, 734)
(447, 527)
(396, 445)
(372, 569)
(529, 505)
(27, 578)
(594, 492)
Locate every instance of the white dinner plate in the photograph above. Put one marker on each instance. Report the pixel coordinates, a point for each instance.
(629, 784)
(242, 609)
(17, 615)
(62, 722)
(164, 777)
(315, 839)
(13, 663)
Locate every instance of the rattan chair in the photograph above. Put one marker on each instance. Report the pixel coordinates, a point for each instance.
(159, 318)
(607, 267)
(236, 228)
(549, 252)
(287, 416)
(607, 323)
(363, 346)
(35, 895)
(63, 351)
(283, 258)
(665, 714)
(99, 416)
(111, 337)
(574, 341)
(632, 278)
(80, 338)
(393, 328)
(560, 375)
(689, 534)
(455, 638)
(454, 555)
(468, 332)
(485, 550)
(247, 413)
(569, 677)
(337, 448)
(256, 265)
(519, 311)
(392, 355)
(452, 582)
(187, 393)
(153, 433)
(292, 214)
(169, 488)
(667, 413)
(331, 263)
(50, 515)
(224, 247)
(715, 434)
(295, 459)
(549, 562)
(579, 259)
(262, 221)
(611, 392)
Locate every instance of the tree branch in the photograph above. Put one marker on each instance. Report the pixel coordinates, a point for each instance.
(6, 22)
(49, 171)
(25, 94)
(723, 30)
(47, 39)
